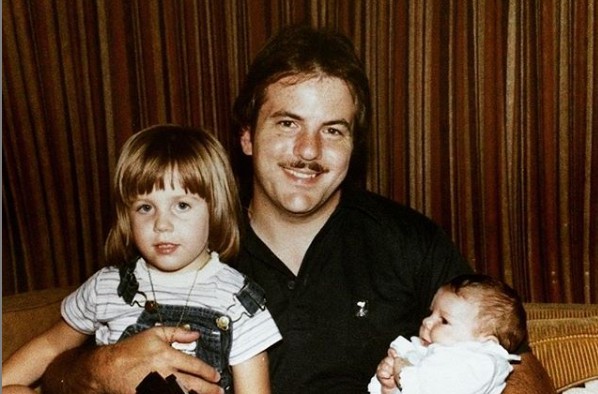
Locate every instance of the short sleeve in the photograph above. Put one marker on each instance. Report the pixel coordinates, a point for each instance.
(78, 309)
(253, 335)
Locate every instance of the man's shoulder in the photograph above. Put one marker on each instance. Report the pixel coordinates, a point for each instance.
(529, 377)
(384, 210)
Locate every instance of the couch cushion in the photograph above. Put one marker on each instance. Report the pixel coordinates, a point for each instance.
(539, 311)
(29, 314)
(567, 347)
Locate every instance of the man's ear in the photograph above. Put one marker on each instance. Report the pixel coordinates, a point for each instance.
(246, 143)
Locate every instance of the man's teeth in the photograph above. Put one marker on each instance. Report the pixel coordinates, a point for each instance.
(303, 175)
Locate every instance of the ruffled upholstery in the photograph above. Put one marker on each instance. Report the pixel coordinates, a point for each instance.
(564, 337)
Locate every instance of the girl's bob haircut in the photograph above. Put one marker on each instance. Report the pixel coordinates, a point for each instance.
(155, 154)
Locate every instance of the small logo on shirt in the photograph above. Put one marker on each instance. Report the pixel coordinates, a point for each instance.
(361, 308)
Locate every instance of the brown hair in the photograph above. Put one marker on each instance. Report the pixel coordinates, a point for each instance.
(305, 52)
(500, 309)
(148, 158)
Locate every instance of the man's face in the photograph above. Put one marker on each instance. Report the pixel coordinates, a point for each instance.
(302, 144)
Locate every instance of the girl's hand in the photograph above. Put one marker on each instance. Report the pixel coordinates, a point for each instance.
(17, 390)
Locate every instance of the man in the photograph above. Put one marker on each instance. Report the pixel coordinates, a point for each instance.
(345, 271)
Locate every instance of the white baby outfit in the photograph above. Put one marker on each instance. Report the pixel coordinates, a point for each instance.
(463, 368)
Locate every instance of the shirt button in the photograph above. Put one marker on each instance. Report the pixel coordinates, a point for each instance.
(291, 285)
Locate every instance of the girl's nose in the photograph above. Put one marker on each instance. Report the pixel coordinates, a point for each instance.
(162, 223)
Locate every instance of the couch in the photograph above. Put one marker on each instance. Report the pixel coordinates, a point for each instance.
(564, 337)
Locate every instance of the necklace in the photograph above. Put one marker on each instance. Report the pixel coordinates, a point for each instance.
(154, 306)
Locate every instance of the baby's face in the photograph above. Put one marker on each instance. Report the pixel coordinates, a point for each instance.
(453, 320)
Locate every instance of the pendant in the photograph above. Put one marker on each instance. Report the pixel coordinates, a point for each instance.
(151, 306)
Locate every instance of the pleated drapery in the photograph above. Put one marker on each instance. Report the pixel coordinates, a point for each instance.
(485, 119)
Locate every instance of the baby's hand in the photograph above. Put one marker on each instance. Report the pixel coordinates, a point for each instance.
(399, 364)
(385, 373)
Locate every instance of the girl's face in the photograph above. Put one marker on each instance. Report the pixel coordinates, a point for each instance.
(170, 228)
(453, 320)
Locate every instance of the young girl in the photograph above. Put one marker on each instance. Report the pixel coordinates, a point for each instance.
(177, 214)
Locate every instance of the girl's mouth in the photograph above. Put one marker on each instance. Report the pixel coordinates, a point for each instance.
(165, 248)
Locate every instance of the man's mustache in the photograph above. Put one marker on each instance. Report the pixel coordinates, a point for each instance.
(312, 166)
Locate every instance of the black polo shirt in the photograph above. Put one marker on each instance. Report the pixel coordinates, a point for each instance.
(368, 276)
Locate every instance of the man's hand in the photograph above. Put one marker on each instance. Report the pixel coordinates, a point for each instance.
(119, 368)
(529, 377)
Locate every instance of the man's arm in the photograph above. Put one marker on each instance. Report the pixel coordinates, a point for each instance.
(119, 368)
(529, 377)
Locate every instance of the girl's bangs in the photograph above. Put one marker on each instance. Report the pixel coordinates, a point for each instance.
(155, 174)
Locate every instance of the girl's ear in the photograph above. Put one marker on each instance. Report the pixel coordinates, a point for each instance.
(246, 142)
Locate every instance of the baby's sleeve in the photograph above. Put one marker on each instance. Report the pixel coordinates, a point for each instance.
(451, 370)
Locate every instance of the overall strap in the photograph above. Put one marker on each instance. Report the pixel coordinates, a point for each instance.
(128, 285)
(251, 296)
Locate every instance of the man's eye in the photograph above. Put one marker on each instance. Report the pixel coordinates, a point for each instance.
(334, 131)
(286, 123)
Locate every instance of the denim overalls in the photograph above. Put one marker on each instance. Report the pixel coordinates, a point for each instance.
(214, 343)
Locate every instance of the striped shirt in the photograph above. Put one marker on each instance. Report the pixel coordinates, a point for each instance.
(96, 308)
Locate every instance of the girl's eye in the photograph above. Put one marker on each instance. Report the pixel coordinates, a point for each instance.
(183, 206)
(144, 208)
(444, 321)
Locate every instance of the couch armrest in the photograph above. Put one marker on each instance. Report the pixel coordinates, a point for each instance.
(564, 337)
(27, 315)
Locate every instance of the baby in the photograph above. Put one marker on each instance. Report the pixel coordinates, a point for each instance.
(463, 347)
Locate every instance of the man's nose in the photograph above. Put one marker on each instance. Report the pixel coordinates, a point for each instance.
(308, 145)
